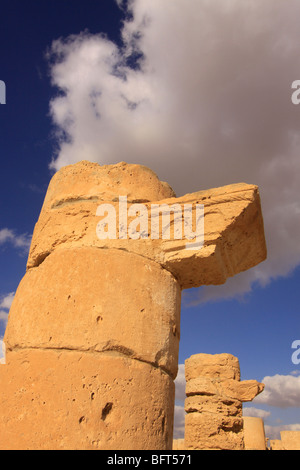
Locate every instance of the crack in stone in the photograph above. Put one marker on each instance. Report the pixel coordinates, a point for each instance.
(113, 351)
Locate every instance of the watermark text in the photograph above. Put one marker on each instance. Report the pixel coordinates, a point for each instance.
(296, 94)
(159, 221)
(296, 353)
(2, 92)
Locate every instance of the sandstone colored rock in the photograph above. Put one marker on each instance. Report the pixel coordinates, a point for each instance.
(73, 400)
(207, 431)
(223, 366)
(214, 402)
(276, 444)
(254, 433)
(233, 239)
(93, 332)
(93, 310)
(290, 440)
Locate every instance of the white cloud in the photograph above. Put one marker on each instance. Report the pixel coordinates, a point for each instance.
(255, 412)
(2, 351)
(282, 391)
(179, 422)
(273, 432)
(179, 414)
(5, 304)
(18, 241)
(6, 300)
(180, 384)
(208, 105)
(3, 316)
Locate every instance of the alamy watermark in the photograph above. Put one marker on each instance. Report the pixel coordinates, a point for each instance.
(2, 92)
(296, 354)
(159, 221)
(296, 94)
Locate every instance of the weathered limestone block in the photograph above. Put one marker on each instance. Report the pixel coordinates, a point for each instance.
(232, 389)
(209, 431)
(290, 440)
(214, 402)
(233, 239)
(276, 444)
(92, 309)
(254, 433)
(223, 366)
(243, 391)
(83, 400)
(93, 332)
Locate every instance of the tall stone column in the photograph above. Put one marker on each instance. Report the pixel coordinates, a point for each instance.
(214, 402)
(254, 433)
(93, 332)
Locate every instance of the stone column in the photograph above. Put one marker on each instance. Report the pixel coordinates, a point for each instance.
(93, 332)
(254, 433)
(214, 402)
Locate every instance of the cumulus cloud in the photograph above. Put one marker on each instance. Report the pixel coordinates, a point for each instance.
(200, 91)
(273, 432)
(5, 304)
(180, 384)
(6, 300)
(18, 241)
(256, 412)
(2, 351)
(179, 421)
(179, 413)
(282, 391)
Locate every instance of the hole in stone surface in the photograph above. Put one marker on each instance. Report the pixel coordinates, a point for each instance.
(106, 410)
(81, 419)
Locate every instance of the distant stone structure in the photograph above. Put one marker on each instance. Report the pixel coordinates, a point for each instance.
(290, 440)
(254, 433)
(93, 332)
(214, 402)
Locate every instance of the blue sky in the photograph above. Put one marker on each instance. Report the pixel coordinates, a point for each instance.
(212, 107)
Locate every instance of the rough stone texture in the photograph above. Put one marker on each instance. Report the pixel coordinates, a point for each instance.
(94, 310)
(234, 235)
(214, 402)
(254, 433)
(207, 431)
(83, 400)
(225, 366)
(276, 444)
(290, 440)
(93, 332)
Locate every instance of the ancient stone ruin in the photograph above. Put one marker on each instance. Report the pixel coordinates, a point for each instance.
(289, 440)
(214, 398)
(254, 433)
(93, 332)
